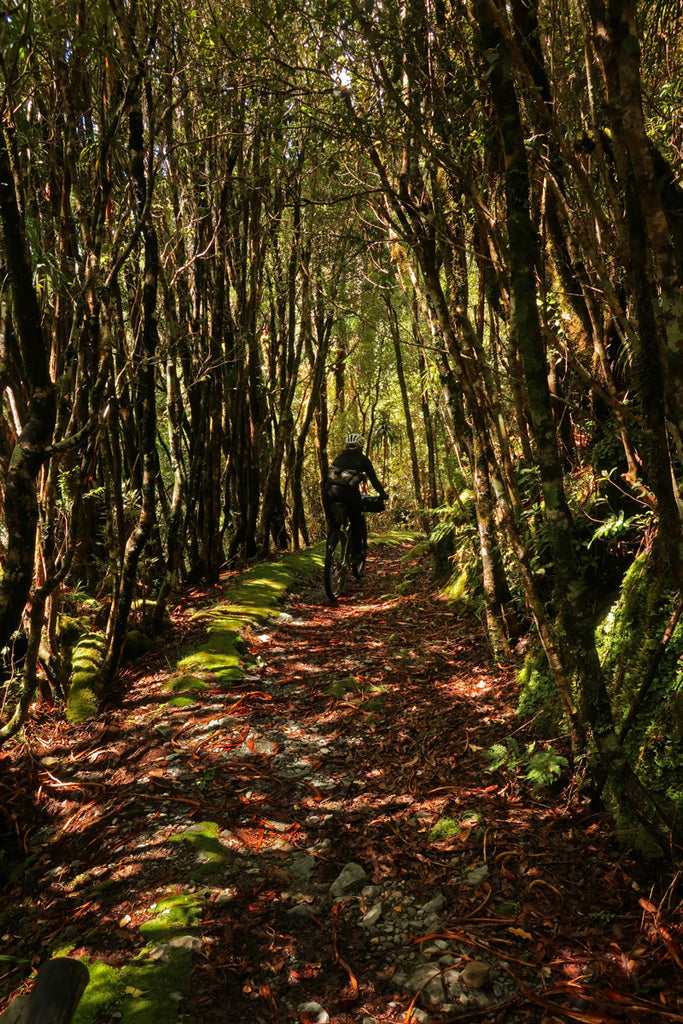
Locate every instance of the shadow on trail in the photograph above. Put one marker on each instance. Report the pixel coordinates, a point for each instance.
(357, 738)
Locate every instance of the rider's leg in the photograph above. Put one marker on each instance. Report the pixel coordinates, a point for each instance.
(331, 494)
(355, 510)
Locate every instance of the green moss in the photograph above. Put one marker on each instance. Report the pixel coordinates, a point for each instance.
(304, 562)
(184, 684)
(340, 687)
(419, 550)
(174, 915)
(211, 857)
(105, 884)
(137, 643)
(629, 638)
(143, 991)
(70, 628)
(225, 667)
(229, 627)
(445, 828)
(400, 537)
(89, 651)
(631, 630)
(508, 908)
(87, 658)
(103, 995)
(374, 705)
(82, 702)
(151, 995)
(260, 589)
(224, 641)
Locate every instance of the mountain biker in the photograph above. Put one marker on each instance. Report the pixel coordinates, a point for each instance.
(345, 475)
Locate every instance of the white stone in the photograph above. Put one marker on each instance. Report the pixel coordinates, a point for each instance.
(190, 942)
(372, 917)
(316, 1013)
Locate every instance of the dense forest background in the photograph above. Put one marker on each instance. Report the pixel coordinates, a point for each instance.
(234, 232)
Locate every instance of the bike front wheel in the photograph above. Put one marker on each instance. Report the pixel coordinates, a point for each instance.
(335, 570)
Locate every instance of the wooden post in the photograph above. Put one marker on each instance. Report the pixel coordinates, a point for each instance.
(56, 992)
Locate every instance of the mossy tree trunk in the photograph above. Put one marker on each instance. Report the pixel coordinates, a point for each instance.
(654, 282)
(576, 641)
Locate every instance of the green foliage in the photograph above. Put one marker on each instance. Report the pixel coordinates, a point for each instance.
(540, 767)
(631, 630)
(618, 527)
(538, 696)
(454, 546)
(545, 766)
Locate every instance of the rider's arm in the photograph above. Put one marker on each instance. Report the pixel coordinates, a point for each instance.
(370, 470)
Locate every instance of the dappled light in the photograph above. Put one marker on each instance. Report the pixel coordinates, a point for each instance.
(341, 517)
(359, 735)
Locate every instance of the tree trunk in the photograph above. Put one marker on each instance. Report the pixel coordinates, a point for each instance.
(654, 280)
(20, 499)
(576, 640)
(427, 421)
(145, 353)
(407, 415)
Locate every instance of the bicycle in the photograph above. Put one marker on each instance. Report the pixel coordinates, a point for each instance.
(340, 544)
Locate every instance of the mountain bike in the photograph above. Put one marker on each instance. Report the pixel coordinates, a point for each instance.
(340, 544)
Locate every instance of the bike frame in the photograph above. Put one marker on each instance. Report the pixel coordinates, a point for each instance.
(340, 536)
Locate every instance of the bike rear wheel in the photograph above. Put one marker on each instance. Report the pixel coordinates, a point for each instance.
(335, 570)
(359, 562)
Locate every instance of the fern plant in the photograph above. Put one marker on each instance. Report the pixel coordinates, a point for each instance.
(540, 767)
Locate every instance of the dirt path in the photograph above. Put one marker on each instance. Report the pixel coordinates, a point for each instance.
(323, 841)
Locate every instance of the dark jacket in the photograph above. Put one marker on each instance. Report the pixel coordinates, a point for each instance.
(349, 469)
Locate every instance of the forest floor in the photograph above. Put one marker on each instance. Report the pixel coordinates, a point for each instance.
(324, 838)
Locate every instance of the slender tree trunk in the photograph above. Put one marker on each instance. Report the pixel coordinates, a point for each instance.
(427, 421)
(407, 415)
(30, 451)
(146, 406)
(175, 516)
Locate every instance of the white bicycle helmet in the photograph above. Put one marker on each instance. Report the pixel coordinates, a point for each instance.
(354, 441)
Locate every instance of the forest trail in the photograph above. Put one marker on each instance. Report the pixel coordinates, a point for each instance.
(323, 841)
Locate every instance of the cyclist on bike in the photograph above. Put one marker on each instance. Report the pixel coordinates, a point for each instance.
(347, 472)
